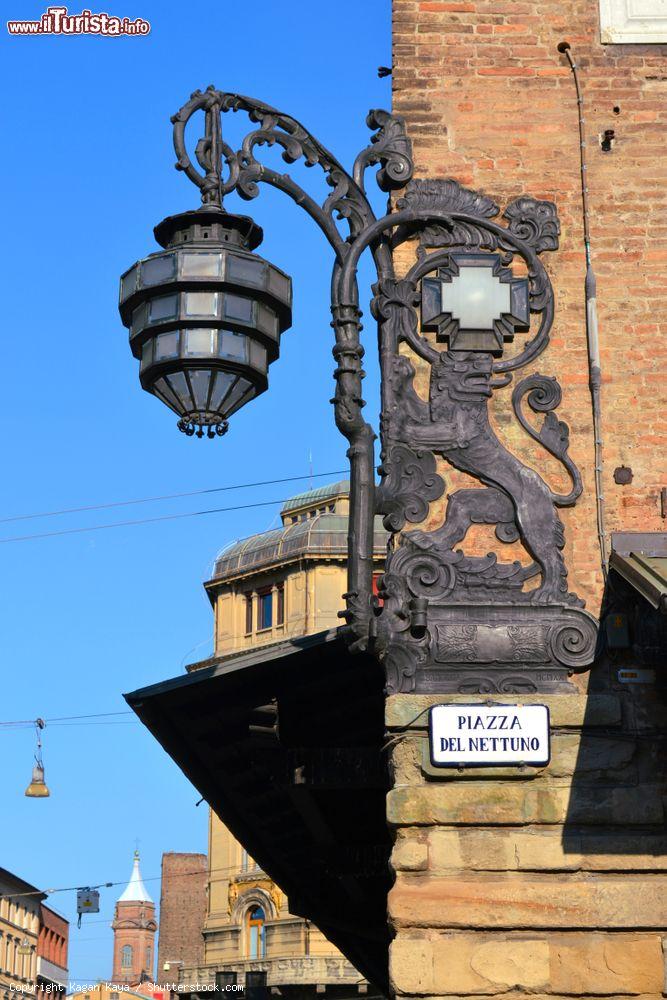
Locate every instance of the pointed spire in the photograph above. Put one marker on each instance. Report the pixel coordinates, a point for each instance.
(135, 891)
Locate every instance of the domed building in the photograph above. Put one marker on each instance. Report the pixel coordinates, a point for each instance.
(273, 589)
(287, 582)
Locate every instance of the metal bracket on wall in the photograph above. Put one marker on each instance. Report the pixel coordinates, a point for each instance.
(476, 307)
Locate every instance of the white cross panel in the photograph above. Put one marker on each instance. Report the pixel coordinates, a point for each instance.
(476, 297)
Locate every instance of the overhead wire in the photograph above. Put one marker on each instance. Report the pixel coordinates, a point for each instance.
(168, 496)
(152, 520)
(66, 718)
(145, 520)
(110, 885)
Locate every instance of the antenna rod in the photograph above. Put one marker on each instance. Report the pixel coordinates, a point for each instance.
(592, 338)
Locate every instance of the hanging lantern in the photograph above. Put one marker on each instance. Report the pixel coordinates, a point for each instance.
(37, 789)
(205, 317)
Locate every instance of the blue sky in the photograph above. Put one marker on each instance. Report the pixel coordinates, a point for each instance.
(87, 173)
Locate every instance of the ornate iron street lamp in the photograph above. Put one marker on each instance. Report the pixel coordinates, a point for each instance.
(205, 317)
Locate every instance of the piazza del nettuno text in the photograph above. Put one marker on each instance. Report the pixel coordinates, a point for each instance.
(464, 784)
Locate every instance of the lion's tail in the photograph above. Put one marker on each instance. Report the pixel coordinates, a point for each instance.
(544, 395)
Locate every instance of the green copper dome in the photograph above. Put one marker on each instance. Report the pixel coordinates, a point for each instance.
(314, 526)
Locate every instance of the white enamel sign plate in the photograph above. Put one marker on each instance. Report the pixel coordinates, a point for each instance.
(489, 735)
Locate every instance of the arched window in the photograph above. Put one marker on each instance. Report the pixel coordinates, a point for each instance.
(255, 944)
(126, 956)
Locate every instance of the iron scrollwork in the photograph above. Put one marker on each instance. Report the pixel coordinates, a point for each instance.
(225, 170)
(501, 620)
(447, 620)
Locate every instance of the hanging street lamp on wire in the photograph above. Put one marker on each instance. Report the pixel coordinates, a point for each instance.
(37, 789)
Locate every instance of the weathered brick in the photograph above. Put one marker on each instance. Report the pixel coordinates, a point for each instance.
(514, 901)
(450, 964)
(493, 803)
(565, 710)
(604, 963)
(545, 849)
(410, 852)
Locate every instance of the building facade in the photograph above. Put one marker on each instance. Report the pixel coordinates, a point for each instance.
(33, 941)
(134, 927)
(20, 905)
(275, 587)
(52, 945)
(553, 882)
(284, 583)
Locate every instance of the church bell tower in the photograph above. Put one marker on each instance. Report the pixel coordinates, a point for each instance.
(134, 928)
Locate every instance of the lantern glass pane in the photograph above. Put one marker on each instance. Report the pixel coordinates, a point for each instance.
(476, 297)
(163, 307)
(238, 307)
(236, 394)
(244, 398)
(233, 345)
(128, 283)
(198, 342)
(280, 285)
(267, 321)
(177, 382)
(166, 346)
(139, 318)
(157, 269)
(223, 381)
(201, 303)
(200, 380)
(166, 393)
(246, 270)
(201, 265)
(258, 356)
(146, 354)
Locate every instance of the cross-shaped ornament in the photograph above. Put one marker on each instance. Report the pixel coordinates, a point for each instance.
(475, 303)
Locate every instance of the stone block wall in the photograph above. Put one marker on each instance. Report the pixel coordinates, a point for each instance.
(548, 882)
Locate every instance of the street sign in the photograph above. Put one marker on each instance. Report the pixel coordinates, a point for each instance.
(489, 735)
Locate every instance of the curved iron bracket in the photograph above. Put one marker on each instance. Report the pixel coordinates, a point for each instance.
(432, 590)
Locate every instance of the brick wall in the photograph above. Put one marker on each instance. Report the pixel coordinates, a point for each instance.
(53, 937)
(550, 883)
(182, 911)
(489, 101)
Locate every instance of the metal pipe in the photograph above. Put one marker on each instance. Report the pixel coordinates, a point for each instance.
(592, 338)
